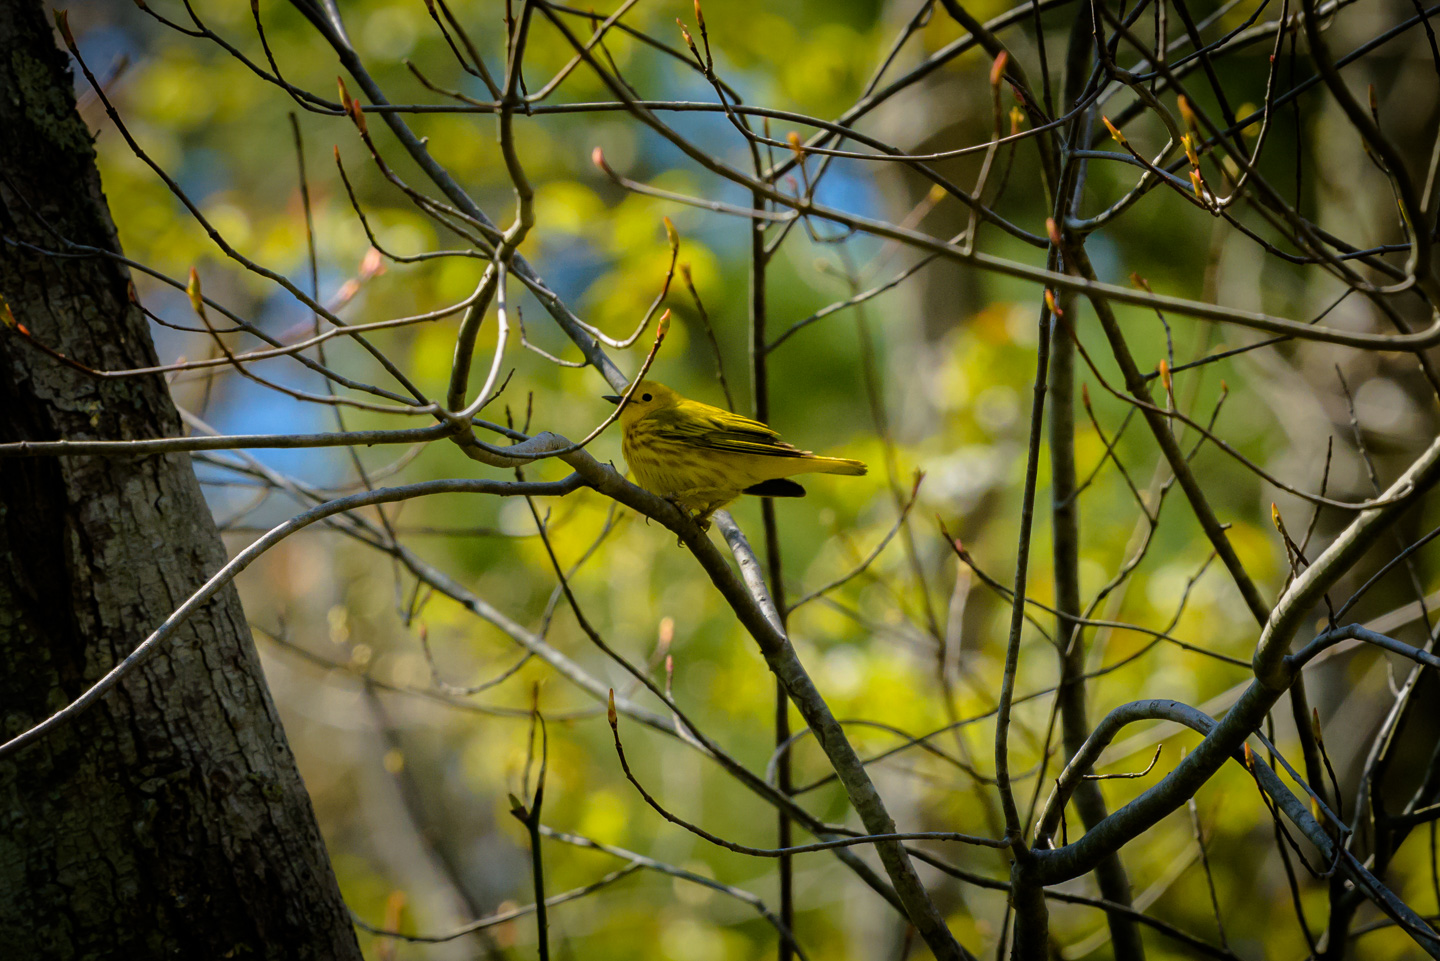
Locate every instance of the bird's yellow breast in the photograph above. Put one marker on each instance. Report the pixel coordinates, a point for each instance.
(670, 468)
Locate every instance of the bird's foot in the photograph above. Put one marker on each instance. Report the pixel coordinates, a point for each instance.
(700, 517)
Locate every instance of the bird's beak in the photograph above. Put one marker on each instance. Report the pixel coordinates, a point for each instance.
(612, 398)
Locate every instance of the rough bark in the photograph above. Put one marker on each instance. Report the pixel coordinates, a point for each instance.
(169, 820)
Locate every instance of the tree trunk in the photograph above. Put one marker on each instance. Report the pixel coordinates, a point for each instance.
(168, 821)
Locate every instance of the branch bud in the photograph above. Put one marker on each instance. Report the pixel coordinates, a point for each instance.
(597, 157)
(610, 712)
(192, 290)
(372, 264)
(671, 236)
(62, 23)
(1115, 132)
(689, 41)
(1187, 113)
(997, 69)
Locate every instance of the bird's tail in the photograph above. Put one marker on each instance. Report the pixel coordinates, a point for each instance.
(837, 465)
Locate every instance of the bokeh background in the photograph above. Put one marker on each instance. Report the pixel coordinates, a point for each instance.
(410, 779)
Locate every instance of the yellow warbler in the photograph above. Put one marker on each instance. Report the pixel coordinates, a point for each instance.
(702, 458)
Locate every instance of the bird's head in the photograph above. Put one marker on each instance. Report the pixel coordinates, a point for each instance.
(647, 398)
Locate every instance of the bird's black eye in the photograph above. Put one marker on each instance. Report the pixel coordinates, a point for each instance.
(645, 397)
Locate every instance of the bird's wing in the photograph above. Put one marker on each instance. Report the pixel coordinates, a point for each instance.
(720, 430)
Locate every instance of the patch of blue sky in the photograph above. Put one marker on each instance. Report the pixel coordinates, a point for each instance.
(247, 407)
(203, 172)
(103, 45)
(243, 406)
(569, 267)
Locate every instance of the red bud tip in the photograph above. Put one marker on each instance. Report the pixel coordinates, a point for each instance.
(357, 116)
(997, 69)
(699, 15)
(610, 712)
(1053, 230)
(597, 157)
(372, 264)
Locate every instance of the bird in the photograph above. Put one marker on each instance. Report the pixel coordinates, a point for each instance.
(701, 458)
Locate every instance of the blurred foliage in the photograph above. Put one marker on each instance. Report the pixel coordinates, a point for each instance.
(423, 808)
